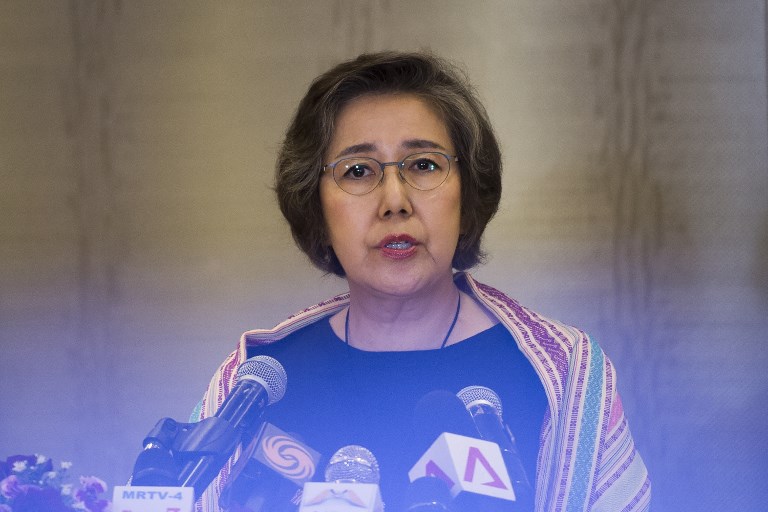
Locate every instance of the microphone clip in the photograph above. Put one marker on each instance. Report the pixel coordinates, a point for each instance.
(171, 446)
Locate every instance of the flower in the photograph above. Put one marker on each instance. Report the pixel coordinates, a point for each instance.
(19, 463)
(10, 487)
(28, 483)
(88, 493)
(92, 484)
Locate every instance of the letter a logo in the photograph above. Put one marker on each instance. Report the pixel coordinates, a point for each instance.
(432, 469)
(473, 457)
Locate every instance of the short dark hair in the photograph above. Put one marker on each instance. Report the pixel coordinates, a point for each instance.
(444, 87)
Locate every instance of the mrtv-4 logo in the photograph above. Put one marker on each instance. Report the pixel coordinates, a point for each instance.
(466, 464)
(152, 499)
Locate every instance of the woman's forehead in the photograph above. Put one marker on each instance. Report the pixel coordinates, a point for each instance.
(380, 123)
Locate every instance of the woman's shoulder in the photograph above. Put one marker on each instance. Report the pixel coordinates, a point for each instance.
(556, 349)
(296, 322)
(521, 319)
(314, 337)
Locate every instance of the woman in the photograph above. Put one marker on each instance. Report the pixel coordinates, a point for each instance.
(388, 175)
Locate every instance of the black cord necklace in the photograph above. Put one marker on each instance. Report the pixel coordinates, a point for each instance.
(442, 345)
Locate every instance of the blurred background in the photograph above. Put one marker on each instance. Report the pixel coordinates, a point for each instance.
(139, 236)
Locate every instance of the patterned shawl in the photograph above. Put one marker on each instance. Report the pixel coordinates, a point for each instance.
(587, 460)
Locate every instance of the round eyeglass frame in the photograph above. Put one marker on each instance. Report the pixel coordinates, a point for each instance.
(400, 166)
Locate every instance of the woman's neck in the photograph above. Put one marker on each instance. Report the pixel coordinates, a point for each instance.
(420, 326)
(380, 322)
(401, 325)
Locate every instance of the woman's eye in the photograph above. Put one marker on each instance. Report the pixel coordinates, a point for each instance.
(424, 165)
(358, 171)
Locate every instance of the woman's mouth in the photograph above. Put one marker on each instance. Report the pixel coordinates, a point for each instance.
(398, 246)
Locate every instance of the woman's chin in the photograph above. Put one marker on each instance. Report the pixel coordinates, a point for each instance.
(402, 283)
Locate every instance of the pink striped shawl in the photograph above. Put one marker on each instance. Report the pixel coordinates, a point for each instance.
(587, 460)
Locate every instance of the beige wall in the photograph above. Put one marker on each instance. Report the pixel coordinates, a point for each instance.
(138, 235)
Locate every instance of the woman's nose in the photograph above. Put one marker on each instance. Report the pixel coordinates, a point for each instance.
(395, 194)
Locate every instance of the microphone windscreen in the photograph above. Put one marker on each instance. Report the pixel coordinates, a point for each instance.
(472, 396)
(437, 412)
(268, 372)
(353, 463)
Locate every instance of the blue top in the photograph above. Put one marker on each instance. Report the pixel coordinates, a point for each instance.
(338, 395)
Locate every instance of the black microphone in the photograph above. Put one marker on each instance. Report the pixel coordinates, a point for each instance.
(428, 494)
(437, 412)
(473, 470)
(261, 381)
(485, 408)
(156, 465)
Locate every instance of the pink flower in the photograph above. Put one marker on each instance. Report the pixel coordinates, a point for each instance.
(10, 487)
(93, 484)
(30, 484)
(88, 493)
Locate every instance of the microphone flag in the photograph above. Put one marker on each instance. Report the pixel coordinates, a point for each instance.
(467, 465)
(270, 472)
(286, 455)
(341, 497)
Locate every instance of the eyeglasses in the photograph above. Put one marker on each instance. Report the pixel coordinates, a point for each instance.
(360, 175)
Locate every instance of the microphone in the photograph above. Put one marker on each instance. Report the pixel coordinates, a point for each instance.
(352, 478)
(473, 469)
(485, 408)
(437, 412)
(353, 464)
(261, 381)
(270, 473)
(428, 494)
(156, 466)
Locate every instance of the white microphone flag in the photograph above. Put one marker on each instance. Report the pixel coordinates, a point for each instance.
(467, 465)
(340, 497)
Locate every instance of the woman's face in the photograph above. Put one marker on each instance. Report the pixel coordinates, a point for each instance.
(395, 240)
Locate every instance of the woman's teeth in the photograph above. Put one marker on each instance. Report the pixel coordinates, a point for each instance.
(398, 245)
